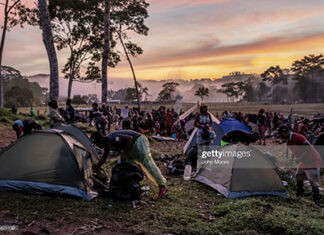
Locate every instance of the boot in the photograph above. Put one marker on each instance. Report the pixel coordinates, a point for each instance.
(300, 188)
(316, 195)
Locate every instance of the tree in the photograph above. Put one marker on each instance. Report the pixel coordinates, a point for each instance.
(263, 90)
(13, 78)
(17, 96)
(273, 75)
(105, 54)
(202, 92)
(167, 91)
(73, 30)
(233, 90)
(6, 14)
(125, 20)
(307, 72)
(48, 41)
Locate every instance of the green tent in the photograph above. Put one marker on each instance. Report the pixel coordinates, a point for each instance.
(48, 161)
(241, 177)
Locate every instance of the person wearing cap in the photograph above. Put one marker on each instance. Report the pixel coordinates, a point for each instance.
(132, 146)
(310, 161)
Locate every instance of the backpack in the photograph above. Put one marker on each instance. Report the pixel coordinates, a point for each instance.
(125, 181)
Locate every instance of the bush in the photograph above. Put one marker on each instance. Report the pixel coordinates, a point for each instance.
(40, 117)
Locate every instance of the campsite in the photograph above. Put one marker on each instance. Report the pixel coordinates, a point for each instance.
(163, 117)
(189, 208)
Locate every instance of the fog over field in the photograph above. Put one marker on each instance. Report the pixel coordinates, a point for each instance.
(186, 88)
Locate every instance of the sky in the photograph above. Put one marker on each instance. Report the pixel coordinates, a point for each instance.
(192, 39)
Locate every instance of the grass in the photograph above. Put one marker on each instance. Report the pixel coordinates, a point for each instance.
(190, 208)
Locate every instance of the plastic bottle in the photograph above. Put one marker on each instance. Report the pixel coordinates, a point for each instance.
(187, 172)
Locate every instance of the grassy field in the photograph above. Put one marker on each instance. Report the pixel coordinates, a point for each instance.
(189, 208)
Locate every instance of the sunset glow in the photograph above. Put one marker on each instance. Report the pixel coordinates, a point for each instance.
(193, 39)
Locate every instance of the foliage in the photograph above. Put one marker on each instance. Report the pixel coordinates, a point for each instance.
(273, 75)
(17, 96)
(202, 92)
(167, 91)
(128, 94)
(19, 91)
(307, 72)
(77, 99)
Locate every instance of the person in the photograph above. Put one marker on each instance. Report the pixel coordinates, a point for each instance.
(262, 126)
(132, 146)
(203, 122)
(99, 118)
(55, 117)
(32, 112)
(310, 161)
(302, 127)
(24, 127)
(70, 110)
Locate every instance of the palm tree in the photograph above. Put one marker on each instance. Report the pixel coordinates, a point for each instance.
(48, 41)
(202, 92)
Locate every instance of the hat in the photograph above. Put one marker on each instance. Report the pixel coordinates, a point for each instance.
(203, 105)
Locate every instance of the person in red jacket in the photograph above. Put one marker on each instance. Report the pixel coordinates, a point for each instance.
(310, 161)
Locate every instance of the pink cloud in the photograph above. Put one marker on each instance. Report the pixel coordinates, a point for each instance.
(158, 5)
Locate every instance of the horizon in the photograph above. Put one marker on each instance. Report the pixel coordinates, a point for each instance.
(200, 39)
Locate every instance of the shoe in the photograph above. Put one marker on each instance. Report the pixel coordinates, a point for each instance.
(162, 191)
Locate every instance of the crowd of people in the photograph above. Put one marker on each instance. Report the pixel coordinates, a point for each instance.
(132, 125)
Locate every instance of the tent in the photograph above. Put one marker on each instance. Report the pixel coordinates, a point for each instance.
(48, 161)
(193, 138)
(80, 136)
(232, 124)
(248, 176)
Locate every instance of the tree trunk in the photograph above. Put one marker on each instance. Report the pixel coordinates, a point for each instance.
(47, 34)
(106, 51)
(133, 72)
(3, 38)
(71, 78)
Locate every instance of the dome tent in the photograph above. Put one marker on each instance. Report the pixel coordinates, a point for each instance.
(48, 161)
(253, 175)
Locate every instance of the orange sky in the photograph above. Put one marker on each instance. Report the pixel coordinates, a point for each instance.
(193, 39)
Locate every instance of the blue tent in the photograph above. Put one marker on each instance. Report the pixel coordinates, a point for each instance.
(232, 124)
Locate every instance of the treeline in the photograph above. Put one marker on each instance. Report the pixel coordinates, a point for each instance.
(303, 82)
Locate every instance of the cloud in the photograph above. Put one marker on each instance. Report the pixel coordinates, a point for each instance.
(165, 5)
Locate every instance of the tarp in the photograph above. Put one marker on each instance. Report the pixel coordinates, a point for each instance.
(232, 124)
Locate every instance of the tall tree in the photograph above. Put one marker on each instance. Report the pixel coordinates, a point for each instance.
(6, 12)
(105, 54)
(48, 41)
(129, 16)
(307, 71)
